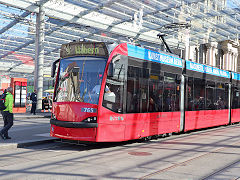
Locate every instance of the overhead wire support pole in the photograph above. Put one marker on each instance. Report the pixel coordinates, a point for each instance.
(39, 55)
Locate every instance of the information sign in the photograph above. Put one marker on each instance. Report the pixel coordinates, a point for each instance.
(84, 49)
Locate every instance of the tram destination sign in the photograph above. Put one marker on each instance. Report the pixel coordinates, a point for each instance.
(84, 49)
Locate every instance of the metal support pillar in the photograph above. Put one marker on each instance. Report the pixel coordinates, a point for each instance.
(39, 56)
(187, 43)
(229, 102)
(182, 103)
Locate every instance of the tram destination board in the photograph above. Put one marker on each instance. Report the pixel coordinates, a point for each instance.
(98, 49)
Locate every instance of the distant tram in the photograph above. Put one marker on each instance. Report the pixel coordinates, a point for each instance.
(135, 93)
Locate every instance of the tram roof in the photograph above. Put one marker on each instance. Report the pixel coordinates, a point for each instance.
(109, 21)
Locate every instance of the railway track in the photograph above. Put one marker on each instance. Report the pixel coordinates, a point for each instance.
(164, 157)
(230, 165)
(191, 160)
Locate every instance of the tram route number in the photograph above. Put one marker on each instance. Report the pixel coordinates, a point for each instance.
(89, 110)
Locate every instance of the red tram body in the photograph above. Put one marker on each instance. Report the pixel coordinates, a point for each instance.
(133, 93)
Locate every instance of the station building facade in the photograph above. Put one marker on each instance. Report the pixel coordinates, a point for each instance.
(223, 55)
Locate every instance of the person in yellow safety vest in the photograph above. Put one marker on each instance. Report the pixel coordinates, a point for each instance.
(7, 114)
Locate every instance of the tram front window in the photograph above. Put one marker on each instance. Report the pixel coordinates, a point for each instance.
(80, 79)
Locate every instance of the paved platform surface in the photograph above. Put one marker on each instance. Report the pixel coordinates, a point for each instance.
(28, 130)
(210, 154)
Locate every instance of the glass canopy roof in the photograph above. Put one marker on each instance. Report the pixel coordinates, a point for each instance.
(109, 21)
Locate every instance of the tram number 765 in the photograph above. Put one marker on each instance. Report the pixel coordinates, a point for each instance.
(89, 110)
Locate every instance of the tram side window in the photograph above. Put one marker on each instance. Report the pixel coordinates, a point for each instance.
(171, 92)
(137, 90)
(206, 95)
(226, 95)
(152, 92)
(113, 93)
(210, 95)
(155, 93)
(199, 94)
(178, 92)
(144, 95)
(190, 102)
(236, 98)
(133, 90)
(221, 96)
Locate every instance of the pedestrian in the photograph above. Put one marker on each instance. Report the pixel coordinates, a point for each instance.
(33, 98)
(7, 114)
(3, 97)
(45, 104)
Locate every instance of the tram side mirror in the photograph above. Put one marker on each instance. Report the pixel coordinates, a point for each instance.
(53, 69)
(110, 70)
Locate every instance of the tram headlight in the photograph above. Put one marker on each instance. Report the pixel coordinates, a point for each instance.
(90, 120)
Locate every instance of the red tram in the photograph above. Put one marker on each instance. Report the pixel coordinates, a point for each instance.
(132, 93)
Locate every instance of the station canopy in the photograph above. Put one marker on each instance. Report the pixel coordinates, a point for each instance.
(112, 21)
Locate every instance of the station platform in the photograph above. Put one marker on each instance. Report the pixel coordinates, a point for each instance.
(28, 129)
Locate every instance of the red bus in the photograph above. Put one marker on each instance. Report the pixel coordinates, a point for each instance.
(130, 92)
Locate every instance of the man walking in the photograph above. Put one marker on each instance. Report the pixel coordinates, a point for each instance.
(33, 97)
(7, 114)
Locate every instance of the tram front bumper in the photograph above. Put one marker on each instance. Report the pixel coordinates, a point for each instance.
(70, 124)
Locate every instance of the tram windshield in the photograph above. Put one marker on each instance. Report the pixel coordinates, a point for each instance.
(80, 79)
